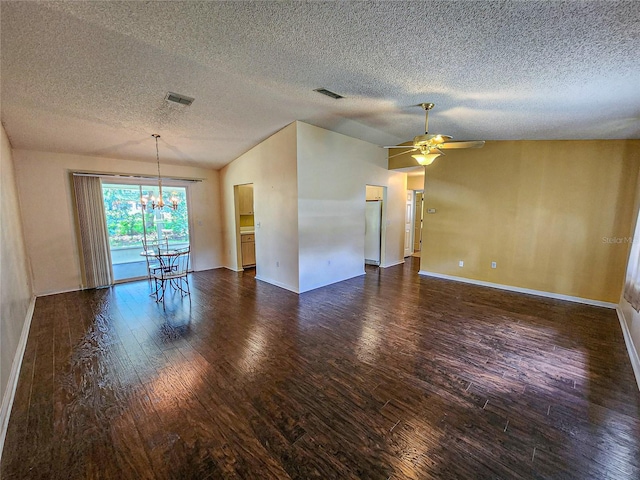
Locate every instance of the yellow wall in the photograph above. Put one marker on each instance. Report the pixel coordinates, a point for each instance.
(415, 182)
(548, 212)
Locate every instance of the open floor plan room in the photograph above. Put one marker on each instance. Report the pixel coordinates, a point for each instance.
(388, 376)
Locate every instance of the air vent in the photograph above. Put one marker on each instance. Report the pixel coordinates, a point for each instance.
(328, 93)
(178, 98)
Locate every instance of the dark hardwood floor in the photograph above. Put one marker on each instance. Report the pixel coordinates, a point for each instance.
(389, 375)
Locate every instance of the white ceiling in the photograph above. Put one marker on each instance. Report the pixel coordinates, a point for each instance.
(91, 77)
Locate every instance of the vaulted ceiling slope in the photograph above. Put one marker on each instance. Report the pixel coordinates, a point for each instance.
(91, 77)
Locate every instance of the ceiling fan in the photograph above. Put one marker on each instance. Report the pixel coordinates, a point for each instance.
(431, 146)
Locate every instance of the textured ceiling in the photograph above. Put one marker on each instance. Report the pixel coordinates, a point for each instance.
(91, 77)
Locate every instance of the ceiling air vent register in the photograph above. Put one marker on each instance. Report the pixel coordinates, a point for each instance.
(179, 98)
(328, 93)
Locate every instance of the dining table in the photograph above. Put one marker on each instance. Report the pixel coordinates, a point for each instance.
(171, 267)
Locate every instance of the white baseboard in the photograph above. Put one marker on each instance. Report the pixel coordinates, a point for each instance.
(10, 391)
(540, 293)
(56, 292)
(631, 348)
(234, 269)
(277, 284)
(392, 264)
(333, 282)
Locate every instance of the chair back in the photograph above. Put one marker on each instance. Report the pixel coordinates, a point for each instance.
(154, 246)
(180, 262)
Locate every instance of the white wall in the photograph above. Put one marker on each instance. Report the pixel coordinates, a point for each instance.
(45, 191)
(632, 320)
(15, 288)
(271, 167)
(309, 199)
(333, 171)
(630, 316)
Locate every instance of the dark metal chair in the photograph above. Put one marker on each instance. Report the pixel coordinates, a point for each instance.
(172, 273)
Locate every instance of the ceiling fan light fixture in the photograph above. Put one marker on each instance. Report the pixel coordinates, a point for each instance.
(426, 158)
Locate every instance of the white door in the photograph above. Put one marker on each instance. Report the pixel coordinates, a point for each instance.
(408, 225)
(417, 222)
(372, 232)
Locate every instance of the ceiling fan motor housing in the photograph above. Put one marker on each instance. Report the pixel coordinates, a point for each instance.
(430, 140)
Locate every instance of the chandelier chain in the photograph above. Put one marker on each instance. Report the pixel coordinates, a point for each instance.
(159, 204)
(160, 199)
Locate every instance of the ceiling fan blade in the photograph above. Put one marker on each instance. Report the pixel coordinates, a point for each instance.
(398, 146)
(402, 153)
(452, 145)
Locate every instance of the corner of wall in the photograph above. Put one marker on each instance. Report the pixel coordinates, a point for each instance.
(10, 390)
(16, 295)
(632, 350)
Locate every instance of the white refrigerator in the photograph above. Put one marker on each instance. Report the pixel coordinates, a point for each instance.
(372, 232)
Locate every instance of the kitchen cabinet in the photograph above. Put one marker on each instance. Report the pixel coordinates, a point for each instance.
(245, 199)
(374, 193)
(248, 249)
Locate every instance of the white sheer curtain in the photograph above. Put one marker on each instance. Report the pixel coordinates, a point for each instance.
(94, 238)
(632, 283)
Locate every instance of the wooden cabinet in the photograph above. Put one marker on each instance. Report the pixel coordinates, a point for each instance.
(245, 199)
(248, 249)
(374, 193)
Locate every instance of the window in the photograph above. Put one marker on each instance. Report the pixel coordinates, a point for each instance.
(128, 225)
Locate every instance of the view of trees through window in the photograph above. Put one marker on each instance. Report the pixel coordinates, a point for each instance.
(128, 226)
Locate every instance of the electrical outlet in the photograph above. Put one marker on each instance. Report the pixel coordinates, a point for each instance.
(461, 263)
(494, 265)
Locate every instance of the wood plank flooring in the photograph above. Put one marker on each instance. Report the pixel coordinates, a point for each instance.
(386, 376)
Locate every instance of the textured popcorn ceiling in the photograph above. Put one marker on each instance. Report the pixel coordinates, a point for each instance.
(91, 77)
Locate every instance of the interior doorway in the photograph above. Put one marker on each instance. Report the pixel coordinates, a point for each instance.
(373, 236)
(418, 221)
(408, 225)
(245, 216)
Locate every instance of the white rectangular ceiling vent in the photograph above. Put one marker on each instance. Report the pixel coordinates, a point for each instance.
(179, 98)
(328, 93)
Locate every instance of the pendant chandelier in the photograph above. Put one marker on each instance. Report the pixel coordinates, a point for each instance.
(158, 204)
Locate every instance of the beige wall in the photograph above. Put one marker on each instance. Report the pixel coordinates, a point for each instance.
(44, 187)
(415, 182)
(543, 210)
(333, 172)
(15, 288)
(271, 167)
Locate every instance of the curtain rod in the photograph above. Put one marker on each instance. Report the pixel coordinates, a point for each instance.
(142, 177)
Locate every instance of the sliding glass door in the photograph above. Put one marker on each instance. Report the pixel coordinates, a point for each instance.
(129, 224)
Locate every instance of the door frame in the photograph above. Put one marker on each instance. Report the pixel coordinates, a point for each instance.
(238, 236)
